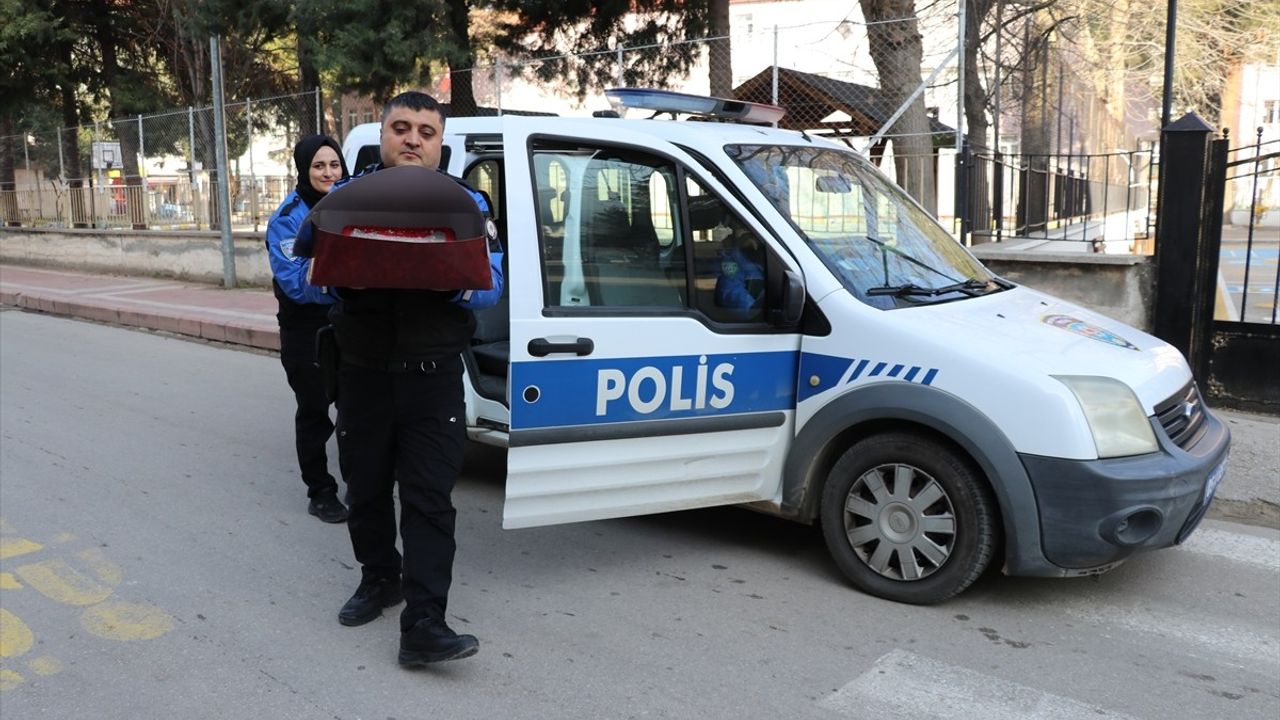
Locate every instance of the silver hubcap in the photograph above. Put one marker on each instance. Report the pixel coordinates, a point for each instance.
(900, 522)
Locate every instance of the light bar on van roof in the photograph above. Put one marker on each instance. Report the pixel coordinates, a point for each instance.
(661, 101)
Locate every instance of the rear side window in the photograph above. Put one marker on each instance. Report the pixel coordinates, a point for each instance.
(370, 154)
(367, 156)
(607, 227)
(626, 228)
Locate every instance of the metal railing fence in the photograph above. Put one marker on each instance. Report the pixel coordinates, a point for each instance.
(1096, 198)
(1253, 202)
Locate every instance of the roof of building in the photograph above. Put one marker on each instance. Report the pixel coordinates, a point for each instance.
(811, 101)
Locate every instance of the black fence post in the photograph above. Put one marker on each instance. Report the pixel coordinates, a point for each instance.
(997, 194)
(1186, 242)
(964, 159)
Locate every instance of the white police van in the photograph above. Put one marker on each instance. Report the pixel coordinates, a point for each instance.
(710, 313)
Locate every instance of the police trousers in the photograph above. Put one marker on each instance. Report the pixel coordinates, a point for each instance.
(405, 426)
(311, 424)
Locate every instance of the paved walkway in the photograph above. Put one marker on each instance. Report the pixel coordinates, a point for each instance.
(239, 316)
(1250, 492)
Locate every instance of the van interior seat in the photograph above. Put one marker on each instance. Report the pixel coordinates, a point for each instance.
(491, 343)
(622, 267)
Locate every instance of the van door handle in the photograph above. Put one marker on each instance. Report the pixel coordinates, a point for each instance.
(542, 347)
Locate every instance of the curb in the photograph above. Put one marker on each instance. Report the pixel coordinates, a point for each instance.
(222, 331)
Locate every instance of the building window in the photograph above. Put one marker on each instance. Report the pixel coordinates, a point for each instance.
(351, 119)
(1271, 112)
(368, 116)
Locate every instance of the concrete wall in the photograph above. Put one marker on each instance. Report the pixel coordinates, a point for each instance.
(1118, 286)
(184, 255)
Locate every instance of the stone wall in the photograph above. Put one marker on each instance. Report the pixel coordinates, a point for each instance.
(183, 255)
(1118, 286)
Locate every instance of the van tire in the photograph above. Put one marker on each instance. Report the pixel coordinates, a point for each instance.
(908, 519)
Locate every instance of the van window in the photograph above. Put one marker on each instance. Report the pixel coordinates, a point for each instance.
(622, 228)
(607, 225)
(486, 176)
(367, 155)
(370, 154)
(884, 248)
(729, 260)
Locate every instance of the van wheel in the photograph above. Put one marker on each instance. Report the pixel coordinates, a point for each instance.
(907, 519)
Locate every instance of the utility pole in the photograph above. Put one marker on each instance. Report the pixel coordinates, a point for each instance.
(220, 149)
(1170, 40)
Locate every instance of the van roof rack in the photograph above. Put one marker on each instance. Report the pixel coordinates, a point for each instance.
(700, 106)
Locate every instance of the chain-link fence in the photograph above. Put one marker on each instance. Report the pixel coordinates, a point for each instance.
(887, 86)
(825, 73)
(158, 170)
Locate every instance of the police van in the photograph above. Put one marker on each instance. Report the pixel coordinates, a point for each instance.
(706, 313)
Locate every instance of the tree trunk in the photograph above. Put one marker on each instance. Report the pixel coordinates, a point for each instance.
(8, 184)
(127, 133)
(308, 73)
(72, 171)
(1033, 201)
(462, 98)
(977, 205)
(897, 51)
(720, 53)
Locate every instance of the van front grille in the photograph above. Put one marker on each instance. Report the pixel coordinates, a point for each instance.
(1182, 416)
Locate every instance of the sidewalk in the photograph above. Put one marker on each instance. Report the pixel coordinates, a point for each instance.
(240, 316)
(1249, 493)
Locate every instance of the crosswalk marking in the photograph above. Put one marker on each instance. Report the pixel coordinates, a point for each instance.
(1245, 645)
(1237, 547)
(905, 686)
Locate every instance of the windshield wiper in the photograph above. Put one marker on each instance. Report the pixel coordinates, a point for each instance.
(884, 246)
(970, 286)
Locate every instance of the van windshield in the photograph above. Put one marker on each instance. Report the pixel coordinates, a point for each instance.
(886, 250)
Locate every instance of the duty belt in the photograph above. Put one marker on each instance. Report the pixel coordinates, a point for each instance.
(426, 366)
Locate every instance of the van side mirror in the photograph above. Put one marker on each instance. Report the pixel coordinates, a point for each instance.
(792, 301)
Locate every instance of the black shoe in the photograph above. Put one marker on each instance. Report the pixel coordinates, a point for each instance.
(431, 641)
(326, 507)
(366, 605)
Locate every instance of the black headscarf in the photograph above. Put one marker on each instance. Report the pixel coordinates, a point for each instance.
(303, 153)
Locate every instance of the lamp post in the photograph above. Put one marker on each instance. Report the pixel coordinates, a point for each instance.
(1170, 32)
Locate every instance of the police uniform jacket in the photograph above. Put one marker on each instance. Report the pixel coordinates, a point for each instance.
(301, 305)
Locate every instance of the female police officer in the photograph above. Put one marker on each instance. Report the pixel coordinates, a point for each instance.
(303, 310)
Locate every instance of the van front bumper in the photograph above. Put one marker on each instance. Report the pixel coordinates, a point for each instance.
(1096, 513)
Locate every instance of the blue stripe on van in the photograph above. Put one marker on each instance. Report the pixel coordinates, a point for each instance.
(819, 373)
(589, 391)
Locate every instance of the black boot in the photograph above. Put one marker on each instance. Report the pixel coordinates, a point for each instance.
(327, 507)
(367, 603)
(430, 641)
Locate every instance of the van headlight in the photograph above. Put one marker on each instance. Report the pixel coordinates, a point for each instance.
(1120, 427)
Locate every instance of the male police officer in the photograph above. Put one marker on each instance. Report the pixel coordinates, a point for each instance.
(402, 418)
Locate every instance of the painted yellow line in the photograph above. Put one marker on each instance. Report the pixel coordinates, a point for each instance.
(58, 581)
(9, 680)
(11, 547)
(97, 562)
(15, 637)
(9, 582)
(45, 665)
(126, 621)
